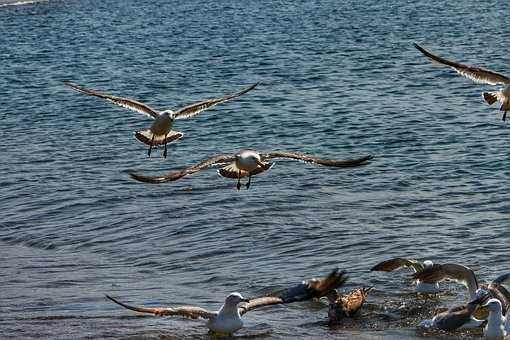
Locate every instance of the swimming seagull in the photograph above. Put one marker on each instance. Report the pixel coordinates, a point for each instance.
(480, 75)
(247, 163)
(160, 131)
(227, 319)
(467, 277)
(422, 285)
(347, 305)
(458, 317)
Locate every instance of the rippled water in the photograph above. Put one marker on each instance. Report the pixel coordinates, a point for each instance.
(338, 79)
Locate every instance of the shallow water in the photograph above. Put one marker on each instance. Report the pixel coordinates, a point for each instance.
(337, 80)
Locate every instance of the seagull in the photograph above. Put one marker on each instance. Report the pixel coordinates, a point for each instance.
(458, 317)
(343, 306)
(498, 326)
(227, 319)
(247, 163)
(467, 277)
(160, 131)
(480, 75)
(422, 285)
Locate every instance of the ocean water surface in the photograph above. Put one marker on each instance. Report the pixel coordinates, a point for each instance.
(337, 79)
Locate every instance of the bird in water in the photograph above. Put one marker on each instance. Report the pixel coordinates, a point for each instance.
(458, 317)
(498, 325)
(346, 305)
(466, 276)
(228, 319)
(422, 284)
(248, 163)
(479, 75)
(160, 132)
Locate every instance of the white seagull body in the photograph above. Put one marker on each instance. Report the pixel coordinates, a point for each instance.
(228, 319)
(248, 163)
(160, 132)
(480, 75)
(422, 286)
(498, 326)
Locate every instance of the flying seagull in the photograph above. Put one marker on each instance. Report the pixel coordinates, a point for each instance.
(467, 277)
(480, 75)
(458, 317)
(422, 284)
(160, 132)
(227, 319)
(347, 305)
(247, 163)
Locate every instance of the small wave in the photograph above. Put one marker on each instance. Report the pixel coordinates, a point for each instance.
(4, 3)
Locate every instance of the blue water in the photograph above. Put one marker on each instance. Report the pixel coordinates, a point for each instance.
(338, 79)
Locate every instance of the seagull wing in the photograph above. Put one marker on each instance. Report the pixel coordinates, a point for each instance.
(397, 263)
(459, 316)
(124, 102)
(173, 176)
(310, 159)
(194, 109)
(498, 291)
(475, 73)
(185, 311)
(314, 288)
(448, 271)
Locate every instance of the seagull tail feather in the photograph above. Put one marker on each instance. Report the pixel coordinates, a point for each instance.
(145, 136)
(490, 97)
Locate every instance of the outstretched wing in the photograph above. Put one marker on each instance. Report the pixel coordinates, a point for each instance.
(307, 158)
(173, 176)
(499, 292)
(194, 109)
(314, 288)
(185, 311)
(397, 263)
(124, 102)
(475, 73)
(449, 271)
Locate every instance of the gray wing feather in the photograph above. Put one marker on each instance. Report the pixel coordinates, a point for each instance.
(194, 109)
(123, 102)
(475, 73)
(311, 159)
(173, 176)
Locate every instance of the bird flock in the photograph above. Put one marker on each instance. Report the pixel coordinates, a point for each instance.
(487, 307)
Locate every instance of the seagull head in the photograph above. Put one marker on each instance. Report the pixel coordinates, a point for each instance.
(494, 305)
(234, 299)
(428, 263)
(168, 113)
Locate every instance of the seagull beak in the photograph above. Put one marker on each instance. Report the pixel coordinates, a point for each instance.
(245, 300)
(261, 164)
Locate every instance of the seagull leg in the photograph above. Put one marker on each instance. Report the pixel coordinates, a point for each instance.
(249, 182)
(239, 181)
(504, 116)
(164, 152)
(150, 147)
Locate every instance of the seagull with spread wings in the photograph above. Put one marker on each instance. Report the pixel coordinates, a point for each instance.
(466, 276)
(480, 75)
(160, 132)
(227, 319)
(422, 285)
(248, 163)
